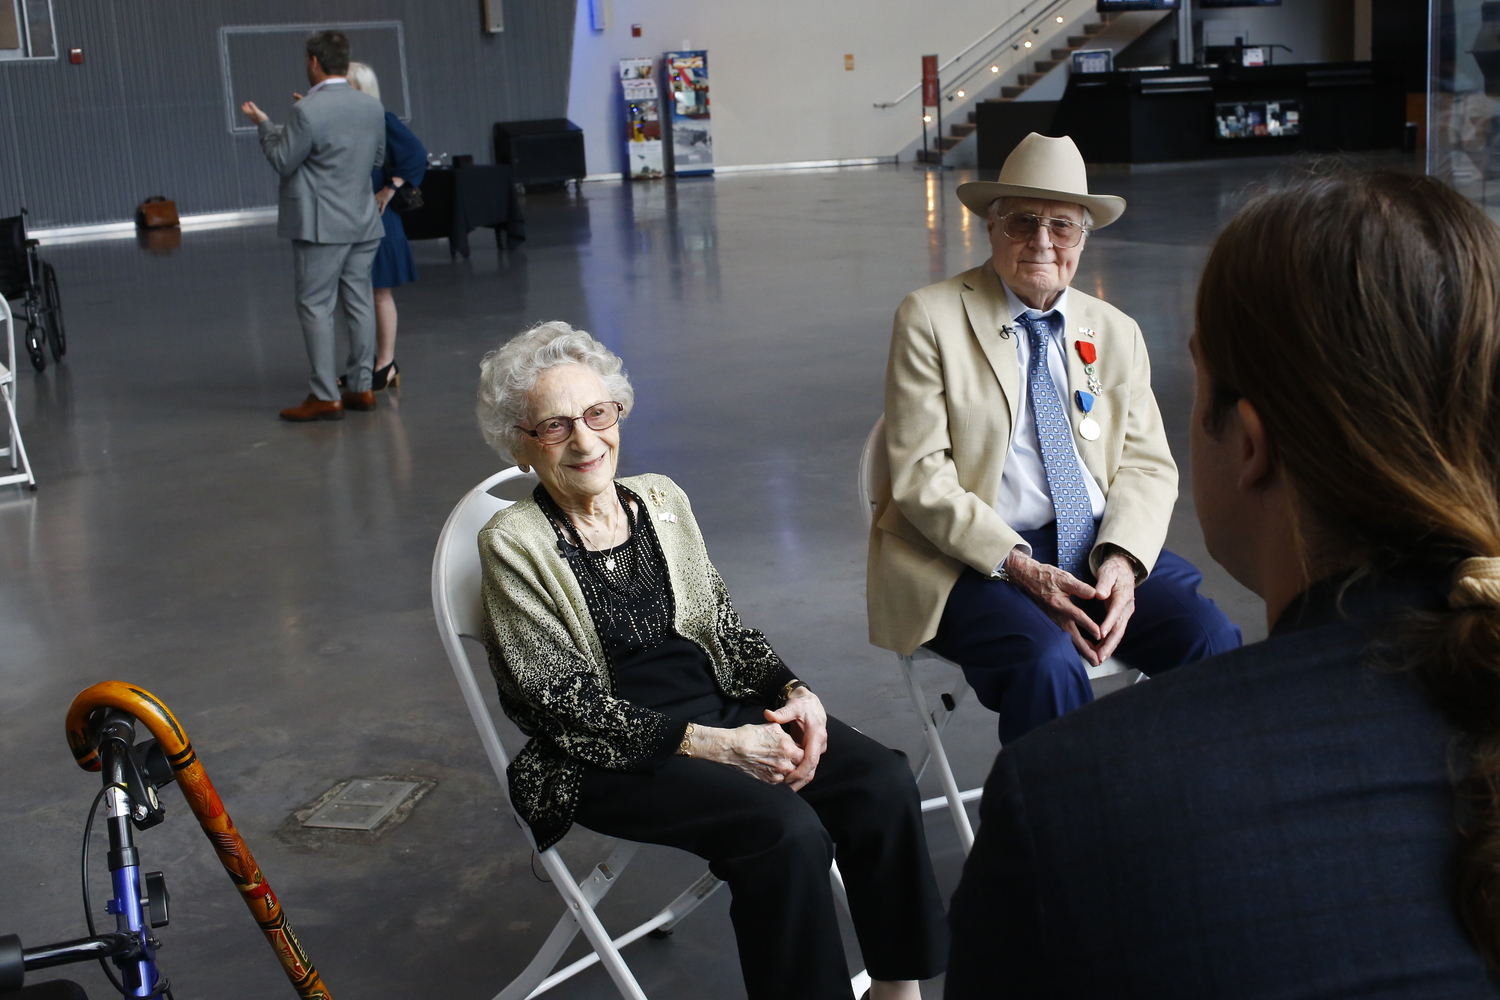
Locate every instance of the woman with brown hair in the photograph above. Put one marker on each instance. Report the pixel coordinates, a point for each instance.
(1316, 815)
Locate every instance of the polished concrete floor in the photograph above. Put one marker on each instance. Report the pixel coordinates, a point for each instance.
(269, 581)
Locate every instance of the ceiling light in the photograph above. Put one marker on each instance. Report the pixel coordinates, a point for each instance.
(960, 93)
(1027, 43)
(927, 118)
(994, 69)
(1058, 19)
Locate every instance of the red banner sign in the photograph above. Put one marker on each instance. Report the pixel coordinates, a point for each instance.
(929, 82)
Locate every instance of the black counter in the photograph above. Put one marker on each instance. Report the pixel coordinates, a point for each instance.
(1169, 115)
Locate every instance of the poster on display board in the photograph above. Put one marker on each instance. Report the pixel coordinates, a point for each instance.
(643, 154)
(692, 136)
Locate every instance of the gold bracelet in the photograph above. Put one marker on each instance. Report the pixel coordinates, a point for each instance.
(687, 739)
(786, 691)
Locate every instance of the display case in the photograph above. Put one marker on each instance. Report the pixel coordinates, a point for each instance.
(1463, 99)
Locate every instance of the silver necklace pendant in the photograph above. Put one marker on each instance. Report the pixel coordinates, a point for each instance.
(609, 563)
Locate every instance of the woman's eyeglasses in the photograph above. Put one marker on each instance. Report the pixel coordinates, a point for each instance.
(1023, 227)
(556, 430)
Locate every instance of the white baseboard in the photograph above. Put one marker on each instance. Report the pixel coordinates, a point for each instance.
(257, 216)
(125, 230)
(743, 168)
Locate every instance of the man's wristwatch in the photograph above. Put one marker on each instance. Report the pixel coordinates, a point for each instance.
(790, 686)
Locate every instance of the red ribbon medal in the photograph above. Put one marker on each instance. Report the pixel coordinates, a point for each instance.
(1086, 351)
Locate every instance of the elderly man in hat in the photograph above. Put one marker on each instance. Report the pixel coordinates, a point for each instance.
(1031, 482)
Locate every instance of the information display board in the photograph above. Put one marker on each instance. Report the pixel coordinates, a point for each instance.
(692, 135)
(1258, 119)
(643, 155)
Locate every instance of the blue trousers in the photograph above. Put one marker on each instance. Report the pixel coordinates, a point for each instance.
(1022, 665)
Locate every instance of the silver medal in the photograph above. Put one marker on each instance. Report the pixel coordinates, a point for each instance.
(1088, 429)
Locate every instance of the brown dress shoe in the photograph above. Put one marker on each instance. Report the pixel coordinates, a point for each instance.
(360, 400)
(313, 408)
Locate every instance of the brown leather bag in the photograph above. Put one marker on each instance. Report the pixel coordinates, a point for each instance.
(156, 212)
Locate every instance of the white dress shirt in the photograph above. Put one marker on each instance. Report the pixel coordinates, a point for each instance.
(1025, 502)
(325, 82)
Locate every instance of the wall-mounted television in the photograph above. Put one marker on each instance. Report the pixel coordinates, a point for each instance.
(1116, 6)
(1215, 4)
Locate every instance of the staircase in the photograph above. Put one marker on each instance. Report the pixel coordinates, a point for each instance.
(960, 131)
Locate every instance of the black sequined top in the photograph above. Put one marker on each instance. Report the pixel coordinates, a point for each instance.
(629, 596)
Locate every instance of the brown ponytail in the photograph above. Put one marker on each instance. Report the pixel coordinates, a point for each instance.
(1360, 314)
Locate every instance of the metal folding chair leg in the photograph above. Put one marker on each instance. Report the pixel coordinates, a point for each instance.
(582, 910)
(951, 792)
(941, 716)
(591, 890)
(17, 449)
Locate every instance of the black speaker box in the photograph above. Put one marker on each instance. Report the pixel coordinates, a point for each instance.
(543, 151)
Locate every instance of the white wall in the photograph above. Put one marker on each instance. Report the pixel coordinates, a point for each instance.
(777, 81)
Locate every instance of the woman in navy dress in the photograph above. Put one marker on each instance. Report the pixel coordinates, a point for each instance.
(405, 163)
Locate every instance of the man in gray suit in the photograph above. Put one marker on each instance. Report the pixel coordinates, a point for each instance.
(332, 141)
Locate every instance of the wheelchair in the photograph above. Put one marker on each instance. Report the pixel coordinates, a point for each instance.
(25, 276)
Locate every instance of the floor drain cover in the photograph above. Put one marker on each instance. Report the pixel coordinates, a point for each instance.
(361, 805)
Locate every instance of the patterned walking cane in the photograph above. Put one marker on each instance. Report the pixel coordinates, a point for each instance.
(233, 854)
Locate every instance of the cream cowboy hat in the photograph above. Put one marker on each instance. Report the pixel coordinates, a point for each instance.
(1043, 167)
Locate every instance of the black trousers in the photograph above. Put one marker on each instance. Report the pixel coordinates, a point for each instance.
(774, 846)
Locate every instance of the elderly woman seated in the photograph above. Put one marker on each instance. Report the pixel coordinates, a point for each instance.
(655, 716)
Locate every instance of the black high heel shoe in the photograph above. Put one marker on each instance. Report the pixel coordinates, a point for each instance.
(387, 377)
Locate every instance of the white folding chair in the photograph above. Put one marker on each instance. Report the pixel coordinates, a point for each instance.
(456, 576)
(14, 448)
(874, 481)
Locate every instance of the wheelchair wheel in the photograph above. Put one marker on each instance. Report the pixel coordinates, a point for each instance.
(57, 337)
(35, 334)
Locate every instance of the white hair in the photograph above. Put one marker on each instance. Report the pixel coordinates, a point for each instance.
(997, 208)
(362, 77)
(507, 376)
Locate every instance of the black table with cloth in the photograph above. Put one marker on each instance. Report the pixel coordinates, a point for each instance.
(455, 202)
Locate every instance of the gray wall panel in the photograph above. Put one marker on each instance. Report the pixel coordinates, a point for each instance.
(144, 114)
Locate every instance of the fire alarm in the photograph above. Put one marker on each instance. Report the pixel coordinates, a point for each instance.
(635, 31)
(75, 56)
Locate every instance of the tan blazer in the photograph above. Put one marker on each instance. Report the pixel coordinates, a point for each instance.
(952, 393)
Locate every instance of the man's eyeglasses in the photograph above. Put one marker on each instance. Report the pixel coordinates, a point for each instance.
(556, 430)
(1023, 227)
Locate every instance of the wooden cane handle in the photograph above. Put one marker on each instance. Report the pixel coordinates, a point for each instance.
(201, 797)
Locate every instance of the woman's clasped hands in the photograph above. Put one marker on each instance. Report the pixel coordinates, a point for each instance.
(769, 752)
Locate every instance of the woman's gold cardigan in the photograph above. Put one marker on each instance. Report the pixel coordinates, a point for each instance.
(555, 681)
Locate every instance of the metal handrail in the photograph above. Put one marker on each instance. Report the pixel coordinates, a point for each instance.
(991, 54)
(1046, 5)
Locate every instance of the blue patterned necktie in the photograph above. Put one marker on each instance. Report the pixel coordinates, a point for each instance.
(1070, 498)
